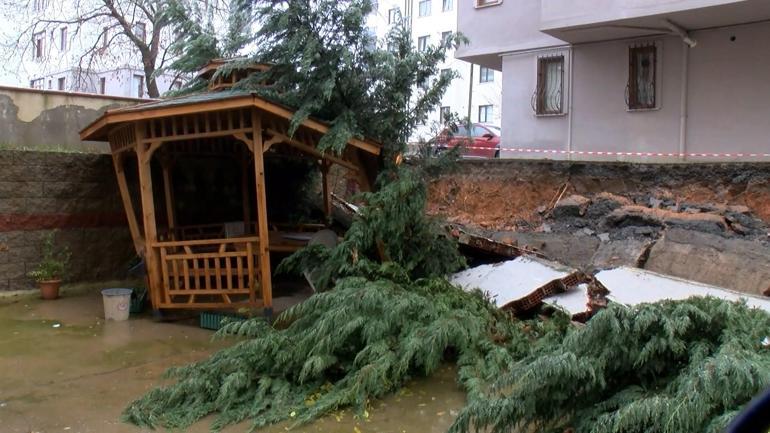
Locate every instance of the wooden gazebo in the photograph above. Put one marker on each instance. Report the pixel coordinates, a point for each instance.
(225, 264)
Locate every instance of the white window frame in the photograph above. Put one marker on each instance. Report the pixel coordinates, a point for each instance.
(140, 87)
(38, 39)
(63, 45)
(441, 116)
(486, 3)
(424, 13)
(489, 113)
(136, 29)
(483, 79)
(393, 15)
(444, 7)
(422, 43)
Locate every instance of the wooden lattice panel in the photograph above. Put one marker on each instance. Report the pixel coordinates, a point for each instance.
(213, 273)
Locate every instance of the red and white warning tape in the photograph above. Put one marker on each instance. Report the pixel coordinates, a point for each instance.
(613, 153)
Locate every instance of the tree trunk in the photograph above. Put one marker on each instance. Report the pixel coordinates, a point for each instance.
(149, 78)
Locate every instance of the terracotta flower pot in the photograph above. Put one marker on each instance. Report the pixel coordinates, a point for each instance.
(49, 289)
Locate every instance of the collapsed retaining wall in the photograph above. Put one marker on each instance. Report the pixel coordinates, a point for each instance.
(74, 194)
(704, 222)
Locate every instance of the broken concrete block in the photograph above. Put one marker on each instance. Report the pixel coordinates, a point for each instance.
(604, 203)
(572, 249)
(644, 216)
(572, 206)
(604, 237)
(622, 252)
(726, 262)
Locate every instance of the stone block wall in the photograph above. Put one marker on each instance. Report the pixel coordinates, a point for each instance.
(73, 194)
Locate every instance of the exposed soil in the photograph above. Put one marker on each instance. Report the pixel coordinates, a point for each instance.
(511, 194)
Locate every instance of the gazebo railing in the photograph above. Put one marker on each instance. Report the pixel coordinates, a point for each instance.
(208, 273)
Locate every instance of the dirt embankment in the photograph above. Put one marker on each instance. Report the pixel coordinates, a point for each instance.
(703, 222)
(508, 194)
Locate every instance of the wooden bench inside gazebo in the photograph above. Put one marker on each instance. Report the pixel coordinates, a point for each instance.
(220, 264)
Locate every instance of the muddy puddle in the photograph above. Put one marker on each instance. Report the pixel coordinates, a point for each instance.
(63, 369)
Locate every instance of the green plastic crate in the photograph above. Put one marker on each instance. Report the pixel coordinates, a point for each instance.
(213, 320)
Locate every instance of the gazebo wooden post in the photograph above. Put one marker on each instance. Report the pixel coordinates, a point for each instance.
(148, 214)
(168, 193)
(325, 165)
(128, 206)
(262, 232)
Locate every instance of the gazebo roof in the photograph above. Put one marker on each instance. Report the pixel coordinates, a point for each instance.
(200, 103)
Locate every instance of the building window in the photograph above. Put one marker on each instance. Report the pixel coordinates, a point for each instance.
(642, 65)
(446, 37)
(485, 113)
(40, 5)
(39, 45)
(444, 114)
(140, 31)
(425, 8)
(36, 84)
(176, 85)
(448, 5)
(393, 15)
(102, 85)
(49, 84)
(482, 3)
(105, 37)
(63, 39)
(486, 75)
(139, 85)
(422, 43)
(375, 5)
(549, 96)
(62, 83)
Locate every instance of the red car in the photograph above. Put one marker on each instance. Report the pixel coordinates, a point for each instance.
(482, 142)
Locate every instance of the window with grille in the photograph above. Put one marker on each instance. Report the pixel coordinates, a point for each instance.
(424, 8)
(485, 113)
(549, 96)
(36, 84)
(642, 71)
(447, 5)
(486, 75)
(422, 43)
(482, 3)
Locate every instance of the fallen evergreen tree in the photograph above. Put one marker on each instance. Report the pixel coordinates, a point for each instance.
(391, 315)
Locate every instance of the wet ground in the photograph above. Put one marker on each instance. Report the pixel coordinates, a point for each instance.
(63, 369)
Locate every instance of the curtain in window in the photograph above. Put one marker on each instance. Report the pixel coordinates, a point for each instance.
(645, 78)
(553, 85)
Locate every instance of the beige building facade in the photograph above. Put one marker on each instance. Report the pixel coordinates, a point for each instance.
(658, 80)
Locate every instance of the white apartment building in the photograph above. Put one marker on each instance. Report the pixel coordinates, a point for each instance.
(56, 59)
(658, 80)
(430, 21)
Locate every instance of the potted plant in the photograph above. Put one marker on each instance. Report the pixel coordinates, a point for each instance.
(50, 270)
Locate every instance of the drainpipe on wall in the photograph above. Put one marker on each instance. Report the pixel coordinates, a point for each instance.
(683, 101)
(470, 96)
(570, 88)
